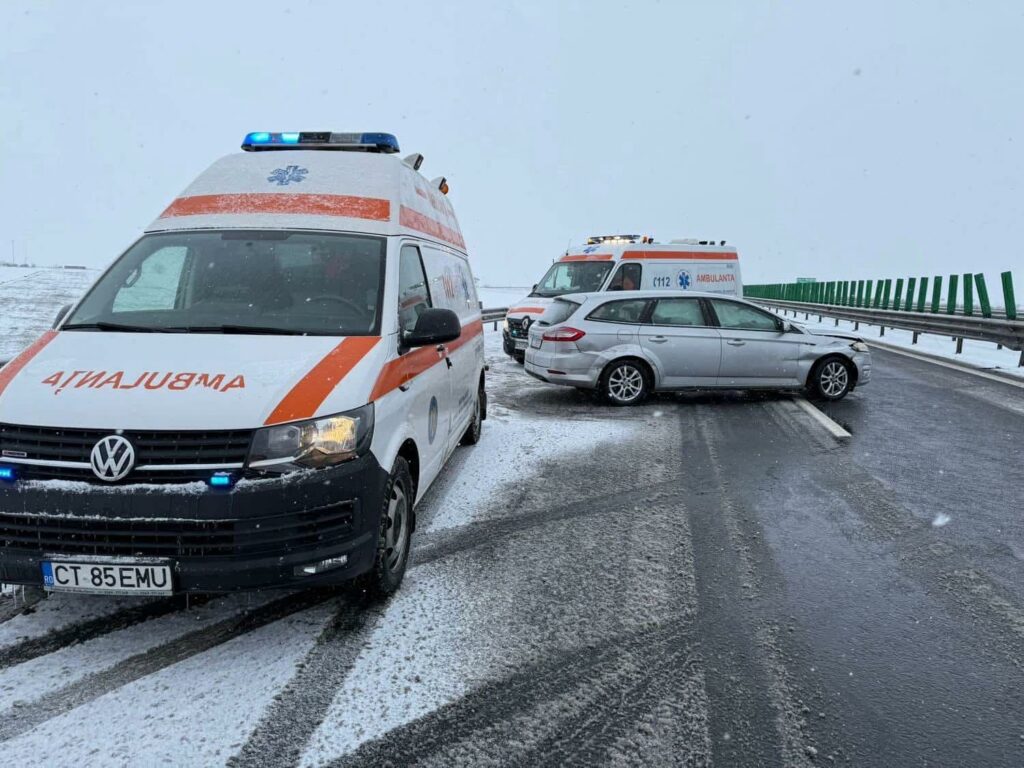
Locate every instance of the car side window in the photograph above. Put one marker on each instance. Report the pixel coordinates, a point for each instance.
(413, 295)
(627, 278)
(625, 311)
(677, 312)
(738, 316)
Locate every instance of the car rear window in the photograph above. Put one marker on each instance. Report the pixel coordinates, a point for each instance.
(560, 311)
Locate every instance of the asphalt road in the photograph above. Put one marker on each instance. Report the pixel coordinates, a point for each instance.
(702, 580)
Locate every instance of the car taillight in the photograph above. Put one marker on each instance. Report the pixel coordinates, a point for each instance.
(564, 334)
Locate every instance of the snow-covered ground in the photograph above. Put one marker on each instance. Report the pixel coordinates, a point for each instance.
(502, 296)
(30, 298)
(977, 353)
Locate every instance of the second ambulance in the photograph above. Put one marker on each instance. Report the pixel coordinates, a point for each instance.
(258, 391)
(625, 263)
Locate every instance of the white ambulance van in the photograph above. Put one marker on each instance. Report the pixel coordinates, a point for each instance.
(625, 263)
(257, 392)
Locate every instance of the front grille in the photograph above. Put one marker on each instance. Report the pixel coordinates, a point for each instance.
(151, 447)
(144, 537)
(517, 330)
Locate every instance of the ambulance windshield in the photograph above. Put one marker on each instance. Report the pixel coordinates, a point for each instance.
(573, 277)
(268, 281)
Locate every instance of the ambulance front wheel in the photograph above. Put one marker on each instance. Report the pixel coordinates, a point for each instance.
(476, 425)
(520, 357)
(392, 555)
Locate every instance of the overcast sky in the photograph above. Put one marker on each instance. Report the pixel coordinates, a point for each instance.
(833, 140)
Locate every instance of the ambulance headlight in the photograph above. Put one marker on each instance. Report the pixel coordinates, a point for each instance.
(312, 444)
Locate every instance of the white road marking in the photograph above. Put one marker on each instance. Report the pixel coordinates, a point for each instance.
(832, 427)
(1005, 379)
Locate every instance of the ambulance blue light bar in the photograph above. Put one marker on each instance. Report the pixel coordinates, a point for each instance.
(352, 142)
(7, 473)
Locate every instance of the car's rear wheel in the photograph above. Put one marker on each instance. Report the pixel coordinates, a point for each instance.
(395, 534)
(832, 379)
(625, 382)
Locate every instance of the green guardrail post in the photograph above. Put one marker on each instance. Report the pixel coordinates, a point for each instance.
(936, 293)
(911, 282)
(886, 292)
(986, 307)
(860, 293)
(846, 292)
(878, 294)
(1008, 299)
(869, 286)
(898, 297)
(954, 281)
(830, 292)
(968, 294)
(922, 294)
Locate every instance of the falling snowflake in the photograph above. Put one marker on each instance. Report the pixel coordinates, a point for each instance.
(284, 176)
(941, 519)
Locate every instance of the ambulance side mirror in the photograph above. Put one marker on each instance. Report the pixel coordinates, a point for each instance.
(61, 314)
(433, 326)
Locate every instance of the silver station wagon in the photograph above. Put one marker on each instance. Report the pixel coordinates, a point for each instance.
(629, 343)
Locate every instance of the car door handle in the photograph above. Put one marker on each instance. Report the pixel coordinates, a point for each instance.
(657, 339)
(736, 342)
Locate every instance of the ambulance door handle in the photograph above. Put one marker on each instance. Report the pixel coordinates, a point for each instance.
(657, 339)
(736, 342)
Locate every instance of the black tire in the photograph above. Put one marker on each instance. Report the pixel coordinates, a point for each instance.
(520, 357)
(387, 573)
(472, 434)
(831, 379)
(625, 382)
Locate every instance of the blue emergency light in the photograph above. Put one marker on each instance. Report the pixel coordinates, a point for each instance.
(352, 142)
(7, 473)
(220, 480)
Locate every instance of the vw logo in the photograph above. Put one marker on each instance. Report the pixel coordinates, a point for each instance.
(526, 322)
(112, 458)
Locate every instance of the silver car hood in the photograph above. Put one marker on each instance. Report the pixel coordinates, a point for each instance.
(834, 334)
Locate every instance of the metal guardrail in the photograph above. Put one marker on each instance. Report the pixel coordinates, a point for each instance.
(1002, 331)
(495, 315)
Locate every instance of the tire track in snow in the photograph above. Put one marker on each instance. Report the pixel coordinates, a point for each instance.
(578, 689)
(92, 628)
(131, 669)
(290, 721)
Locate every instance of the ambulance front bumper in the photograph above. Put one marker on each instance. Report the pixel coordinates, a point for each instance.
(260, 533)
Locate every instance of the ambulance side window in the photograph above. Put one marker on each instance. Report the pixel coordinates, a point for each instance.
(413, 296)
(154, 284)
(627, 278)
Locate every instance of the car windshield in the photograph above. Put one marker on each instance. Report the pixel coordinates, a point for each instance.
(573, 277)
(268, 281)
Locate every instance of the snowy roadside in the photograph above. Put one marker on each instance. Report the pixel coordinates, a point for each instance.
(980, 354)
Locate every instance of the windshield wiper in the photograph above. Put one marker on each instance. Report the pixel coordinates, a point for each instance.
(241, 329)
(101, 326)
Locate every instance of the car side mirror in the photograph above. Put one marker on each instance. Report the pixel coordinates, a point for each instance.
(788, 327)
(61, 314)
(433, 326)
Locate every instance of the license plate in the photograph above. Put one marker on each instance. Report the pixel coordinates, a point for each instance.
(535, 342)
(520, 343)
(107, 578)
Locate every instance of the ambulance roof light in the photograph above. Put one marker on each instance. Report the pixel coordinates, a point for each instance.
(611, 239)
(353, 142)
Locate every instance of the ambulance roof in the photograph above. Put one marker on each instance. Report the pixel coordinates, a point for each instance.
(309, 189)
(675, 251)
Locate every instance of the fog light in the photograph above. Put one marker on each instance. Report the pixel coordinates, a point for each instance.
(324, 565)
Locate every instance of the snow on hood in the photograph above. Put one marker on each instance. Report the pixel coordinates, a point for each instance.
(141, 381)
